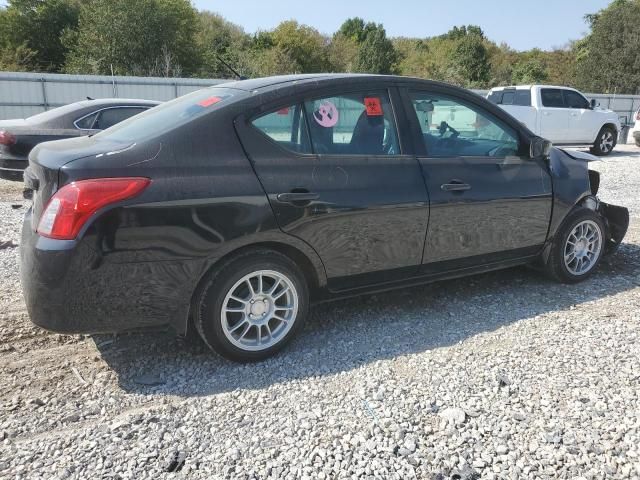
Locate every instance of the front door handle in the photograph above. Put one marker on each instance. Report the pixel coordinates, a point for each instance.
(455, 186)
(295, 197)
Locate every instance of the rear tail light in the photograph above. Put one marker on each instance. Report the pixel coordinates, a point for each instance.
(638, 115)
(7, 138)
(71, 206)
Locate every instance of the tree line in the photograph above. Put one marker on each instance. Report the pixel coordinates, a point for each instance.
(171, 38)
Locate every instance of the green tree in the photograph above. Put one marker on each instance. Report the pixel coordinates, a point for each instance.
(375, 52)
(529, 71)
(470, 62)
(608, 59)
(31, 32)
(304, 45)
(135, 37)
(342, 53)
(218, 39)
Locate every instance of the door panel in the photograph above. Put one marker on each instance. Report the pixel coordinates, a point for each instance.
(488, 202)
(553, 116)
(503, 214)
(365, 215)
(584, 123)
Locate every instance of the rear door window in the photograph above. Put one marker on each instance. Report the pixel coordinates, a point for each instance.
(523, 98)
(508, 97)
(552, 97)
(286, 127)
(353, 124)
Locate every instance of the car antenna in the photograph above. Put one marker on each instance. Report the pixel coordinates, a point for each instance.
(89, 98)
(240, 77)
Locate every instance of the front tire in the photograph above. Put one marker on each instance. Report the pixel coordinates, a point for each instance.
(251, 307)
(605, 142)
(578, 247)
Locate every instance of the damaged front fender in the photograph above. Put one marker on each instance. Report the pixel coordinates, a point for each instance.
(617, 222)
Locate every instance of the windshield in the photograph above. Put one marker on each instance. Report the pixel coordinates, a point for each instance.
(169, 115)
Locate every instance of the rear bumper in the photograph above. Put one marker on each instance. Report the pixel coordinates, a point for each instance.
(68, 287)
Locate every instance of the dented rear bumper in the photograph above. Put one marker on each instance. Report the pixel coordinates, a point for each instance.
(617, 223)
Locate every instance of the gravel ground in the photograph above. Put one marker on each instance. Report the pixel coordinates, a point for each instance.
(503, 375)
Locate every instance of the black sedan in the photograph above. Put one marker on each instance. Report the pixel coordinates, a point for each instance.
(231, 209)
(19, 136)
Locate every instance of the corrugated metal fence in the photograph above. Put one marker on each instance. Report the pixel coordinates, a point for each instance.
(25, 94)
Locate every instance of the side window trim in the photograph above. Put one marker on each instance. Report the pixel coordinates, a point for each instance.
(99, 111)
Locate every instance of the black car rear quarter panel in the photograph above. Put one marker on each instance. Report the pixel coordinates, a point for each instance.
(139, 263)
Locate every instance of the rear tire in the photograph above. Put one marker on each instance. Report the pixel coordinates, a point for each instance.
(605, 142)
(577, 248)
(252, 306)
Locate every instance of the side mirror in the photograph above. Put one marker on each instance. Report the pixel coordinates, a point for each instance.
(594, 103)
(539, 147)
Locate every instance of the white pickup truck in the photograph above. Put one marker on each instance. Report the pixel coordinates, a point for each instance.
(560, 114)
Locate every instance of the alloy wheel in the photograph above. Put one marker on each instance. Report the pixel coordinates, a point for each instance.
(582, 248)
(259, 310)
(606, 142)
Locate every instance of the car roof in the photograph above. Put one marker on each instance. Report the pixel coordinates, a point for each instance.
(528, 87)
(320, 79)
(115, 101)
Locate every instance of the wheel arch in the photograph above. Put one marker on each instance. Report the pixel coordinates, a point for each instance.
(610, 125)
(308, 261)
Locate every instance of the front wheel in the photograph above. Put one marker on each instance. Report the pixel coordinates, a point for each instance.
(605, 142)
(578, 247)
(253, 306)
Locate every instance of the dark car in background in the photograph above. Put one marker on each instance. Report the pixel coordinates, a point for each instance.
(232, 208)
(19, 136)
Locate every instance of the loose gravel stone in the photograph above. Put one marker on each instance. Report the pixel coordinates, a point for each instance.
(506, 375)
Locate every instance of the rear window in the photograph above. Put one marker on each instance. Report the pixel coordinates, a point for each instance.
(169, 115)
(520, 97)
(495, 97)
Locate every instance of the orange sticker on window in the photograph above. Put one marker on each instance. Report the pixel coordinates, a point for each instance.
(373, 106)
(207, 102)
(283, 111)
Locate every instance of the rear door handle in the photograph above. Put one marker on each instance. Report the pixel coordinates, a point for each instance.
(292, 197)
(455, 186)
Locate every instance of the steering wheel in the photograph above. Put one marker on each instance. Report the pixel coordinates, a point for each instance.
(444, 126)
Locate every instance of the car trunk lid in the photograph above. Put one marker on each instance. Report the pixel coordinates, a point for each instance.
(42, 177)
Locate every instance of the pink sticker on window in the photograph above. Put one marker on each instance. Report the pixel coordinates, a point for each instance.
(283, 111)
(326, 115)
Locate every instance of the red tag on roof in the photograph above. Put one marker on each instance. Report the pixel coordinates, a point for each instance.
(373, 106)
(207, 102)
(283, 111)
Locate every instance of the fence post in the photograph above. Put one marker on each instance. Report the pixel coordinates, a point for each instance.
(175, 89)
(45, 102)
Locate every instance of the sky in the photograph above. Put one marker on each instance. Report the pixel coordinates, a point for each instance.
(523, 25)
